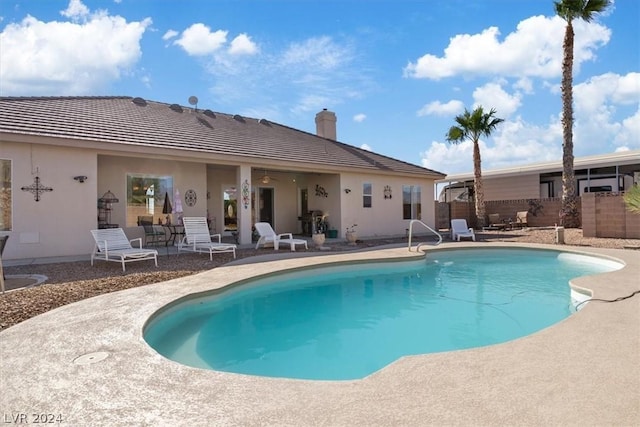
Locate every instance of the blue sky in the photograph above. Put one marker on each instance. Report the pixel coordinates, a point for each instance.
(395, 72)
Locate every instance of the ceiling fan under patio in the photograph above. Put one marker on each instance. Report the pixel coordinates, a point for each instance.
(266, 179)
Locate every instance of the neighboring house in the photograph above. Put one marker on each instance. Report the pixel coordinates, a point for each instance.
(613, 172)
(62, 157)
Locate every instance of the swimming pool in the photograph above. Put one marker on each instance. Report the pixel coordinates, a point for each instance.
(345, 322)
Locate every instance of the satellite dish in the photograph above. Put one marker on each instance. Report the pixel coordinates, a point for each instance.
(193, 100)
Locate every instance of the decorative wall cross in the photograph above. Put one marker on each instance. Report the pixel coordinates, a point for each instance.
(36, 188)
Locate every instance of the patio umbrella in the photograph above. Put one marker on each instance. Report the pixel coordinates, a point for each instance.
(167, 209)
(177, 206)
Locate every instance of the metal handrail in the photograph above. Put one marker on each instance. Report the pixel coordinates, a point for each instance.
(427, 227)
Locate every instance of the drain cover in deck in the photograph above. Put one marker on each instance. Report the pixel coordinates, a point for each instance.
(89, 358)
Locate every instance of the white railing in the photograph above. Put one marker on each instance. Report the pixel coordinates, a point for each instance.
(414, 221)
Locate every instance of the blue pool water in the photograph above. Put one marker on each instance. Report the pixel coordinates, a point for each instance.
(346, 322)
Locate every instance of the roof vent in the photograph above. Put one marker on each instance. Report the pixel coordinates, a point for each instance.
(239, 118)
(203, 122)
(265, 122)
(176, 108)
(209, 113)
(139, 102)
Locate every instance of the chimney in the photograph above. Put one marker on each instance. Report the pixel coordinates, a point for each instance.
(326, 124)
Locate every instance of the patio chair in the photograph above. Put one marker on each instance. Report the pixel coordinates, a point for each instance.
(269, 237)
(197, 238)
(495, 223)
(155, 235)
(145, 219)
(113, 245)
(460, 229)
(521, 219)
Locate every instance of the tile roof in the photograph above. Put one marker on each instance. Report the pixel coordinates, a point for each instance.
(137, 122)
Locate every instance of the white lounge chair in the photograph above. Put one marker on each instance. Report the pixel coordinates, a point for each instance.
(459, 229)
(197, 238)
(268, 236)
(113, 245)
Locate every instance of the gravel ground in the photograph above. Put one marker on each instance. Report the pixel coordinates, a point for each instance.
(73, 281)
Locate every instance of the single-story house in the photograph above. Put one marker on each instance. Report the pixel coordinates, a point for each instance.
(614, 172)
(72, 164)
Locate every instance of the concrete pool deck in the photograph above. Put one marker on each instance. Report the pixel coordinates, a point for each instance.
(584, 370)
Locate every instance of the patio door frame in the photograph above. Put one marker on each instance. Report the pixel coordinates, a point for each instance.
(260, 204)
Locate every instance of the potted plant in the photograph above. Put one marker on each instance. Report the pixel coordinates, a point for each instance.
(351, 234)
(318, 238)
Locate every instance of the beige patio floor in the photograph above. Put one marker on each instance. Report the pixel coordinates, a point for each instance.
(584, 370)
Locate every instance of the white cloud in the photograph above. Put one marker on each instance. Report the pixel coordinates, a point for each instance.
(628, 89)
(242, 45)
(68, 58)
(75, 10)
(170, 34)
(437, 108)
(533, 49)
(597, 124)
(513, 142)
(198, 40)
(628, 135)
(318, 53)
(146, 81)
(366, 147)
(596, 102)
(449, 158)
(607, 88)
(525, 85)
(304, 77)
(492, 95)
(359, 118)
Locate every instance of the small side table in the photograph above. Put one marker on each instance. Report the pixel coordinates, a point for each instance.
(175, 231)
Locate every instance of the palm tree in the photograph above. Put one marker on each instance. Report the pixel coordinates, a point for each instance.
(472, 125)
(570, 10)
(632, 199)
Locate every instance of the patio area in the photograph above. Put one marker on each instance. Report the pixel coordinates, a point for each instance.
(87, 363)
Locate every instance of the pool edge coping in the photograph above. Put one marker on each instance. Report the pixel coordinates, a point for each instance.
(55, 366)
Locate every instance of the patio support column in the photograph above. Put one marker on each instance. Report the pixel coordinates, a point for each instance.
(244, 203)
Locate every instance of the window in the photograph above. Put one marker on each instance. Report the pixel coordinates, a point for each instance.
(411, 206)
(367, 195)
(146, 197)
(5, 195)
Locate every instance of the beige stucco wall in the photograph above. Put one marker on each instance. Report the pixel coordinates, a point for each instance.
(320, 186)
(113, 171)
(59, 224)
(45, 228)
(384, 218)
(285, 190)
(217, 181)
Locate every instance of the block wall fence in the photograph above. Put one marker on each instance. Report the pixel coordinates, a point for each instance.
(602, 214)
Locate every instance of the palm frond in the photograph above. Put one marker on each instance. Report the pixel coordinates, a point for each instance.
(632, 199)
(586, 10)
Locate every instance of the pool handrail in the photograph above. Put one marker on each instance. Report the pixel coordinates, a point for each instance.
(413, 221)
